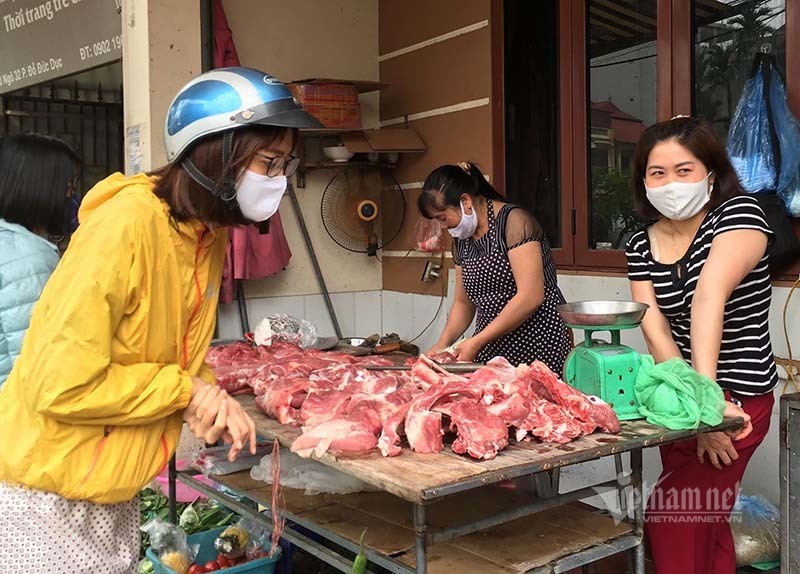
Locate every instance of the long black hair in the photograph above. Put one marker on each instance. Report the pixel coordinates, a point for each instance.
(36, 174)
(445, 185)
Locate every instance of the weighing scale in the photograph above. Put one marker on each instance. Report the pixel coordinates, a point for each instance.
(602, 369)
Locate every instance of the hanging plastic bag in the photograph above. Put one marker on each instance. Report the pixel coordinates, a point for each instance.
(764, 147)
(787, 131)
(428, 236)
(756, 529)
(749, 140)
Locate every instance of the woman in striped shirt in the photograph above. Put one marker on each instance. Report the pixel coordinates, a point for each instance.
(703, 270)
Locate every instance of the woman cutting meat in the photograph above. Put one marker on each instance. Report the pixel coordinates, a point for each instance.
(504, 272)
(703, 271)
(113, 362)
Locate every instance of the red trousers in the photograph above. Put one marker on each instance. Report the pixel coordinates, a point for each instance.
(686, 523)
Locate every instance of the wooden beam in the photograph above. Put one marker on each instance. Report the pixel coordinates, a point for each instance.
(627, 12)
(637, 28)
(612, 28)
(793, 55)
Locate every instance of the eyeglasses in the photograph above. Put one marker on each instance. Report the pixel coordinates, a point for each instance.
(276, 166)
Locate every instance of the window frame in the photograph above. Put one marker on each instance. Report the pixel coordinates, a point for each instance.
(675, 91)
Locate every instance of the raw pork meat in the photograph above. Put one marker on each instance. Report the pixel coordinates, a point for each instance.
(513, 410)
(322, 406)
(339, 435)
(480, 433)
(594, 412)
(283, 399)
(236, 379)
(423, 425)
(389, 442)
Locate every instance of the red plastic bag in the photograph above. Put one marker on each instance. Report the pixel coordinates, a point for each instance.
(428, 236)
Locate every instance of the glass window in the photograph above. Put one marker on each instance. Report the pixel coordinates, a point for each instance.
(727, 35)
(531, 109)
(622, 103)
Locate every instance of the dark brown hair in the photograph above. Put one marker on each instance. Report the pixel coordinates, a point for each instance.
(445, 185)
(699, 137)
(188, 200)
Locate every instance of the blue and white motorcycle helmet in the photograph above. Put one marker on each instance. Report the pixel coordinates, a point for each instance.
(226, 99)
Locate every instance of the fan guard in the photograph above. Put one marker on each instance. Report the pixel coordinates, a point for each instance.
(363, 209)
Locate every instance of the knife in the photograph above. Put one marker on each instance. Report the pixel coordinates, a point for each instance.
(449, 367)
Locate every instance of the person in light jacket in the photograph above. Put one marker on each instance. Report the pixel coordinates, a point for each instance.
(114, 362)
(38, 176)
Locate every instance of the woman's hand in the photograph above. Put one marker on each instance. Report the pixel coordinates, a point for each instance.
(437, 348)
(213, 415)
(468, 349)
(731, 410)
(207, 412)
(719, 448)
(241, 430)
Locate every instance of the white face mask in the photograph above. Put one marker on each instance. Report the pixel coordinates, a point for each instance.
(259, 195)
(467, 226)
(679, 200)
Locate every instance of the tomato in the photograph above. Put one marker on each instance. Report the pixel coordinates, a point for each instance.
(212, 566)
(224, 561)
(196, 569)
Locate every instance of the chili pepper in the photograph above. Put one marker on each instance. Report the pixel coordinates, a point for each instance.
(360, 563)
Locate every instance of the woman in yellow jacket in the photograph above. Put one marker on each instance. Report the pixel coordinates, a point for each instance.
(113, 363)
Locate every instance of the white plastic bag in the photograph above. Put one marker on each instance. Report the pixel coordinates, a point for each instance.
(286, 328)
(309, 475)
(756, 529)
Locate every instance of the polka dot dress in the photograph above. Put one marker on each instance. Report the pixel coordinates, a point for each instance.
(48, 534)
(490, 285)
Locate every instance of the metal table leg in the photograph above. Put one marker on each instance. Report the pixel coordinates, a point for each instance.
(173, 477)
(638, 508)
(623, 489)
(421, 530)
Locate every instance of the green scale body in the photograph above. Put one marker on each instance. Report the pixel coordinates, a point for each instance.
(605, 370)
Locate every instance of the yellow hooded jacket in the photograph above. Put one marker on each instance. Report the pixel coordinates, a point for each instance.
(92, 409)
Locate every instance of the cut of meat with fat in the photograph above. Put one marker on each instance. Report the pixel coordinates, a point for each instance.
(424, 431)
(375, 410)
(480, 433)
(339, 435)
(321, 406)
(423, 425)
(546, 384)
(550, 422)
(283, 399)
(236, 379)
(389, 441)
(513, 410)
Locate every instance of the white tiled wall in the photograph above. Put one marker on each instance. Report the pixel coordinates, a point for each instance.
(359, 313)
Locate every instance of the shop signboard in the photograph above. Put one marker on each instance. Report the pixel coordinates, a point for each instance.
(41, 40)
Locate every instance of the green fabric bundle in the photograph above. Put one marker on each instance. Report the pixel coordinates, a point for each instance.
(673, 395)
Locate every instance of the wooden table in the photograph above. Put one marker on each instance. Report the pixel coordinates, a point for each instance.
(461, 517)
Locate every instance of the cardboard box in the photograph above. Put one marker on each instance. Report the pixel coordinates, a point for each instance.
(336, 116)
(333, 102)
(324, 93)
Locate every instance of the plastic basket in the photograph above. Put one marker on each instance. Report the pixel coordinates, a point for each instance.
(207, 553)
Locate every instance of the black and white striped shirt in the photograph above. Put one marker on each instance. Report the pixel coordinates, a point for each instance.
(746, 364)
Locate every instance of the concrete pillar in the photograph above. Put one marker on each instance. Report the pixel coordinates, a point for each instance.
(161, 51)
